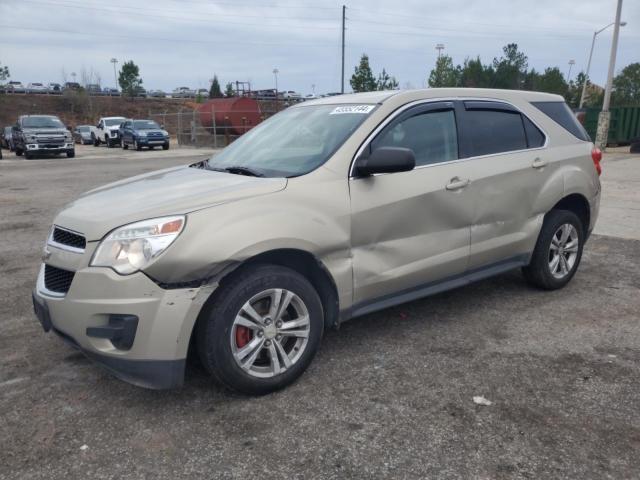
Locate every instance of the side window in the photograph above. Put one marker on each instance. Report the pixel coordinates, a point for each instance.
(535, 138)
(560, 113)
(432, 136)
(495, 131)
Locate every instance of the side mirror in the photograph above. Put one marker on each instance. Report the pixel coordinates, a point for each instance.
(386, 160)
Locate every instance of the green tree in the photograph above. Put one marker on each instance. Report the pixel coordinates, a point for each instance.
(362, 79)
(552, 81)
(129, 78)
(214, 91)
(444, 74)
(511, 68)
(386, 82)
(4, 73)
(574, 90)
(626, 85)
(476, 75)
(229, 91)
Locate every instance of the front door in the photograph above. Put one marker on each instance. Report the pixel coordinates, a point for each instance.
(412, 228)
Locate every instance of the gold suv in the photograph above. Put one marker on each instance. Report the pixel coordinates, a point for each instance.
(329, 210)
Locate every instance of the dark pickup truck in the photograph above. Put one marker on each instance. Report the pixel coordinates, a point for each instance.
(37, 134)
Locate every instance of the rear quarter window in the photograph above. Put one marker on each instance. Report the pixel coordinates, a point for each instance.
(495, 131)
(560, 113)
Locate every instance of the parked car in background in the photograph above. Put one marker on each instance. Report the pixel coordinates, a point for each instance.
(15, 87)
(36, 87)
(36, 134)
(6, 140)
(183, 92)
(54, 88)
(112, 92)
(107, 131)
(327, 211)
(291, 95)
(82, 134)
(71, 86)
(156, 94)
(93, 89)
(311, 96)
(143, 133)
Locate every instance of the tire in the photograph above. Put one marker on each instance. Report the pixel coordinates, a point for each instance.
(71, 153)
(217, 333)
(136, 145)
(18, 152)
(28, 155)
(165, 146)
(96, 140)
(108, 142)
(124, 145)
(539, 271)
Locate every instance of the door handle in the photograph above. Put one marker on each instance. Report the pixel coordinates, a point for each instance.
(456, 183)
(539, 163)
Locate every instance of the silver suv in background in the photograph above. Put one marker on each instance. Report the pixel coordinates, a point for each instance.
(329, 210)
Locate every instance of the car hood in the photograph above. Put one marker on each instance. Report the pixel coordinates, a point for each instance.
(172, 191)
(44, 131)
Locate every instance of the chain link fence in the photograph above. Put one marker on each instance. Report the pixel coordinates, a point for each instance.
(220, 127)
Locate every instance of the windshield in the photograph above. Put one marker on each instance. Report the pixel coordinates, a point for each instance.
(145, 125)
(293, 142)
(83, 129)
(113, 121)
(41, 122)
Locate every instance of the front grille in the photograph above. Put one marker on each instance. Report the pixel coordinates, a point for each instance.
(65, 237)
(57, 280)
(54, 141)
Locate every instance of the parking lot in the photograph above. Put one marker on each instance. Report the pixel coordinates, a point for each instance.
(390, 395)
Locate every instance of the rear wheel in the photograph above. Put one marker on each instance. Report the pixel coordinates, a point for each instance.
(558, 251)
(262, 329)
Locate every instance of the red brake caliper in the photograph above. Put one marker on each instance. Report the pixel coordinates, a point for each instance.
(243, 336)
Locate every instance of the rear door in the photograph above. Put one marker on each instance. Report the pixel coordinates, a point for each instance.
(508, 166)
(412, 228)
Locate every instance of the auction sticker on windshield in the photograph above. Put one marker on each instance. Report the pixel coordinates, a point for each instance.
(352, 109)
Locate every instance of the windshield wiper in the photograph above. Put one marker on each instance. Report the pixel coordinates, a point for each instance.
(243, 171)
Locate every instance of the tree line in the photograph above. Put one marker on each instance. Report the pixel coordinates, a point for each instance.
(510, 71)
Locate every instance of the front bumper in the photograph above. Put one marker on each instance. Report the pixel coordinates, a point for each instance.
(42, 148)
(155, 356)
(146, 141)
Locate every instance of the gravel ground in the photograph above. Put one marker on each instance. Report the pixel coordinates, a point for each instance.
(389, 395)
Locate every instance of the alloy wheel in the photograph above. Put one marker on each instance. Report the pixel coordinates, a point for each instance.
(563, 250)
(270, 333)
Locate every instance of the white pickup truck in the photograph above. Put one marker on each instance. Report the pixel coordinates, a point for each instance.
(107, 131)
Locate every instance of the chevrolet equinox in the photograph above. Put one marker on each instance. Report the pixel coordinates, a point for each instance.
(328, 210)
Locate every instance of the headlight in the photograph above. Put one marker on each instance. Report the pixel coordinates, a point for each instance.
(132, 247)
(142, 134)
(67, 136)
(165, 133)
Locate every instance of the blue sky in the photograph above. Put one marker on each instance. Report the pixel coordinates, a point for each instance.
(183, 43)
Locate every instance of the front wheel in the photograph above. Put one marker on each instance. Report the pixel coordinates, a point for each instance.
(165, 146)
(136, 145)
(558, 251)
(261, 330)
(71, 153)
(96, 141)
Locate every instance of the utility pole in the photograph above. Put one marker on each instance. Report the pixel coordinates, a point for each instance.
(344, 16)
(605, 115)
(571, 64)
(115, 76)
(439, 47)
(275, 74)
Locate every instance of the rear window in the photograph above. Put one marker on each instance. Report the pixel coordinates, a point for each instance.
(495, 131)
(560, 113)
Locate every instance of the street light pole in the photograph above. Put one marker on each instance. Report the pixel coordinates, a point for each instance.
(115, 76)
(605, 115)
(571, 64)
(586, 75)
(275, 74)
(439, 47)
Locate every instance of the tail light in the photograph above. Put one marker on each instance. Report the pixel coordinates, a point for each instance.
(596, 156)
